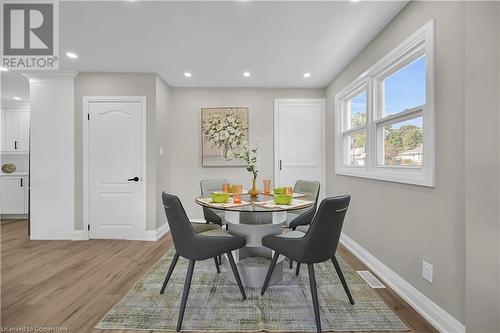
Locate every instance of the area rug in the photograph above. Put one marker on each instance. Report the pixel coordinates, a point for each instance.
(215, 303)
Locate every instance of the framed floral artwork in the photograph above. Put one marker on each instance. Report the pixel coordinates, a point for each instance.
(223, 130)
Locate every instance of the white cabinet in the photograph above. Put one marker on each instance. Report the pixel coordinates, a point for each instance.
(14, 194)
(15, 130)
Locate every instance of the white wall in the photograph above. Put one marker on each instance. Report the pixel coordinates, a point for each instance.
(399, 224)
(52, 178)
(164, 141)
(482, 153)
(186, 135)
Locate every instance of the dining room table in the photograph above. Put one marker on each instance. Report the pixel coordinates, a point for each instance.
(252, 219)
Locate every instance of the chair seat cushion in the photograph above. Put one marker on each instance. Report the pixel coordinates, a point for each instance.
(302, 228)
(217, 232)
(203, 227)
(292, 234)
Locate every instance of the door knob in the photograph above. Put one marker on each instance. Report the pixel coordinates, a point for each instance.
(135, 179)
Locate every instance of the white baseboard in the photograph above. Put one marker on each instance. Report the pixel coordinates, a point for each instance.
(434, 314)
(154, 235)
(78, 235)
(162, 230)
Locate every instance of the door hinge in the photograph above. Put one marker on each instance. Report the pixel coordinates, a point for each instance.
(88, 227)
(88, 116)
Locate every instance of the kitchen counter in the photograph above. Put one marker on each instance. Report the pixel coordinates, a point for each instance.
(14, 174)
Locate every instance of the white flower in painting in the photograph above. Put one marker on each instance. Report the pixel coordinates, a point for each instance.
(224, 131)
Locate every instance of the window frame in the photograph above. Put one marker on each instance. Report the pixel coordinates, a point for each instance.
(419, 44)
(355, 91)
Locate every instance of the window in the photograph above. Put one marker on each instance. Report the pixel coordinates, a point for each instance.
(385, 118)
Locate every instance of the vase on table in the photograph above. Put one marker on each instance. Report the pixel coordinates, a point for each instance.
(254, 191)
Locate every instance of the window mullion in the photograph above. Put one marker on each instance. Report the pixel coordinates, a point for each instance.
(406, 114)
(370, 138)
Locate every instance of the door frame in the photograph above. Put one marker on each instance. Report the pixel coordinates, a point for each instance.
(86, 102)
(322, 103)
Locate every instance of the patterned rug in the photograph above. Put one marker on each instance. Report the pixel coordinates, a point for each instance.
(215, 304)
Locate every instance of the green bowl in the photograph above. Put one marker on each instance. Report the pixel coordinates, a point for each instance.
(219, 197)
(283, 199)
(279, 190)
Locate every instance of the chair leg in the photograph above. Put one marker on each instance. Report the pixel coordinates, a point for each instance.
(269, 272)
(170, 271)
(291, 263)
(314, 294)
(220, 260)
(342, 279)
(187, 285)
(298, 269)
(216, 261)
(236, 274)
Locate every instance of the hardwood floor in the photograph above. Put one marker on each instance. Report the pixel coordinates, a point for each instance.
(72, 284)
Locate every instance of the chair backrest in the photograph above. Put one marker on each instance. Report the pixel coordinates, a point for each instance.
(180, 228)
(308, 187)
(324, 233)
(207, 187)
(211, 185)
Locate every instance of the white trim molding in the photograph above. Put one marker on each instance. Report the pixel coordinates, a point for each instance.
(154, 235)
(432, 312)
(78, 235)
(50, 76)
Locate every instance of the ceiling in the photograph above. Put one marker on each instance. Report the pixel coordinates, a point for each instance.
(277, 42)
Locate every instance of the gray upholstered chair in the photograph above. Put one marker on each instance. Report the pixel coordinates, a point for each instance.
(302, 218)
(319, 244)
(207, 187)
(193, 246)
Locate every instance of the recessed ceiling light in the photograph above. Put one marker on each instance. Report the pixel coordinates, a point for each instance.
(306, 75)
(187, 74)
(246, 74)
(3, 69)
(71, 55)
(17, 98)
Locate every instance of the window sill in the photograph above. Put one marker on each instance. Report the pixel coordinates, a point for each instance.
(404, 176)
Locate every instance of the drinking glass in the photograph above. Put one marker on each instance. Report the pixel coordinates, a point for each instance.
(267, 185)
(225, 188)
(288, 191)
(237, 193)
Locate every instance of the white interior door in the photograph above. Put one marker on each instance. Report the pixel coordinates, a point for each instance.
(116, 192)
(299, 146)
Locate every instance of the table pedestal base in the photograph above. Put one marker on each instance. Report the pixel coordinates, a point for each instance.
(253, 265)
(254, 259)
